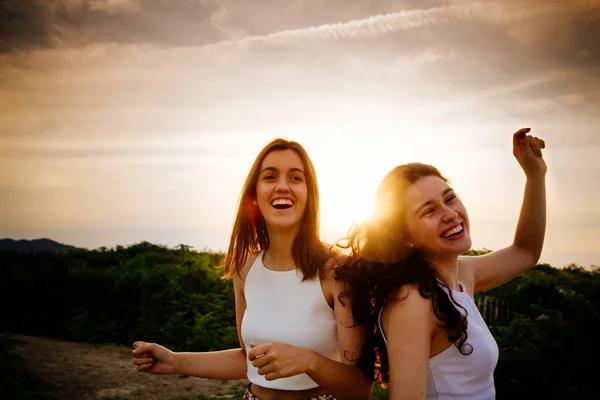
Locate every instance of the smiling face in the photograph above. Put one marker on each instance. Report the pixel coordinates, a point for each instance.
(281, 189)
(436, 220)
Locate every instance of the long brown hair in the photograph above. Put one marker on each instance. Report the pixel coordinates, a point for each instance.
(250, 233)
(382, 261)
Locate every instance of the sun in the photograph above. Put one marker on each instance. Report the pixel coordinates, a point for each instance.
(349, 165)
(340, 213)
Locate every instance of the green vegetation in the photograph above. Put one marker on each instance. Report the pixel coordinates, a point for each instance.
(144, 292)
(543, 320)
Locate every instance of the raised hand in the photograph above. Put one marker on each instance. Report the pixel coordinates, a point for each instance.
(527, 150)
(153, 358)
(280, 360)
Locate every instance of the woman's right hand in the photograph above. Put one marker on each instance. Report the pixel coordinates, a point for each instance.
(153, 358)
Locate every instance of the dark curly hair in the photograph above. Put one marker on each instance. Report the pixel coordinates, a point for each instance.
(381, 261)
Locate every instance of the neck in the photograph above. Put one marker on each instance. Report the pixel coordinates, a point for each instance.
(278, 256)
(447, 267)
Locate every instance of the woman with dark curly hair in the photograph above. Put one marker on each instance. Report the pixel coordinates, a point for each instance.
(408, 278)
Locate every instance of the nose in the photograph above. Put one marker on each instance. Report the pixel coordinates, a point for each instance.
(282, 185)
(449, 214)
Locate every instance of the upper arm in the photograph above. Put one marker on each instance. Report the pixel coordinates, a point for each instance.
(500, 266)
(351, 336)
(240, 307)
(239, 280)
(408, 324)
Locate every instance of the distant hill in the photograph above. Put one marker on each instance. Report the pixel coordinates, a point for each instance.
(26, 246)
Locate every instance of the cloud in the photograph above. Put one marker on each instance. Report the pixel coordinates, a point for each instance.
(496, 12)
(366, 27)
(31, 24)
(38, 23)
(115, 6)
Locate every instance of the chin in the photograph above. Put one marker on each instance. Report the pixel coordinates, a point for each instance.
(466, 246)
(283, 224)
(457, 248)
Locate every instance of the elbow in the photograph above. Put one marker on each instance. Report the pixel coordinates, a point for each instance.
(533, 256)
(530, 253)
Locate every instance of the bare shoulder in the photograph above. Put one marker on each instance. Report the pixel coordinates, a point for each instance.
(334, 261)
(240, 278)
(407, 300)
(408, 313)
(328, 273)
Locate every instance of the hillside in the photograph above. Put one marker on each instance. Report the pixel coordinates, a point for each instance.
(27, 246)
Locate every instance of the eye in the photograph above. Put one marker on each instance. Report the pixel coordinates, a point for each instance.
(296, 178)
(450, 198)
(429, 211)
(268, 177)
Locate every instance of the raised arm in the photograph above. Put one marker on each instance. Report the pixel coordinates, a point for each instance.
(500, 266)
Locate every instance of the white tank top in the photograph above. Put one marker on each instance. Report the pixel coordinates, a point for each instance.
(282, 308)
(453, 375)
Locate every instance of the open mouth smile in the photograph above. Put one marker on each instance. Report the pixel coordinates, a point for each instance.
(453, 232)
(282, 203)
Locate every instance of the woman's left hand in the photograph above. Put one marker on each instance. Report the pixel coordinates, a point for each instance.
(280, 360)
(527, 150)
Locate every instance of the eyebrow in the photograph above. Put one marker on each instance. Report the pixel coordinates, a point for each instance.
(430, 202)
(276, 170)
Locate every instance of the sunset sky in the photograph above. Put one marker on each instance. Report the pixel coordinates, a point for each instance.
(131, 120)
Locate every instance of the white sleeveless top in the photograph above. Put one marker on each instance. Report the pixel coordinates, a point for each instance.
(453, 375)
(282, 308)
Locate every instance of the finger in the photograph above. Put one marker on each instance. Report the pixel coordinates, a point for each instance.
(519, 135)
(258, 351)
(261, 361)
(143, 349)
(144, 367)
(271, 376)
(142, 361)
(539, 146)
(542, 144)
(535, 148)
(138, 344)
(266, 369)
(527, 146)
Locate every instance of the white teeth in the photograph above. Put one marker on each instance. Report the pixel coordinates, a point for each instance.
(277, 202)
(458, 229)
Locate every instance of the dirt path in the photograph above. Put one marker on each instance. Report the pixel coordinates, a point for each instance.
(91, 371)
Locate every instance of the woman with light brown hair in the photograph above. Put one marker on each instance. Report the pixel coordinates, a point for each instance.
(297, 339)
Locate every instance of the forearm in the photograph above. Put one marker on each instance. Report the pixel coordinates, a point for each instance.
(224, 365)
(531, 227)
(343, 381)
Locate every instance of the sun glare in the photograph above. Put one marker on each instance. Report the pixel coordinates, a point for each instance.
(350, 164)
